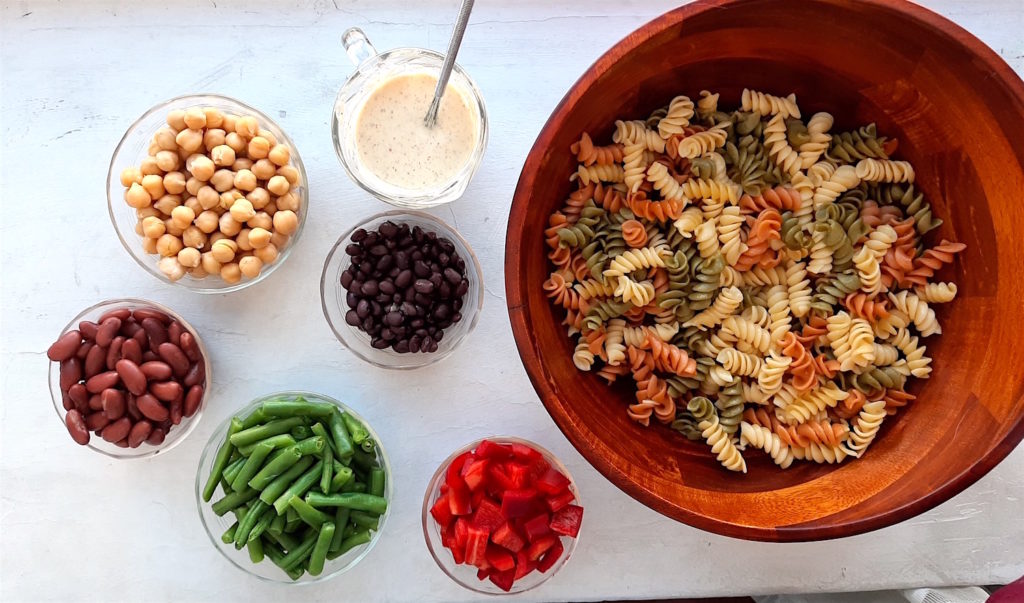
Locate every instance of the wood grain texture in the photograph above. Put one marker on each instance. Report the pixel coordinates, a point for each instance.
(958, 111)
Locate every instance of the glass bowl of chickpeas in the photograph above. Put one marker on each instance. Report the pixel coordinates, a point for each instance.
(207, 193)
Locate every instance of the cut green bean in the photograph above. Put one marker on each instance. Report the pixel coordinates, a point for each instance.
(292, 520)
(255, 550)
(363, 461)
(232, 470)
(311, 445)
(365, 520)
(263, 523)
(299, 487)
(327, 473)
(368, 447)
(251, 466)
(356, 501)
(307, 513)
(377, 481)
(288, 458)
(301, 552)
(342, 476)
(315, 567)
(284, 539)
(354, 486)
(261, 432)
(340, 435)
(221, 461)
(355, 429)
(281, 440)
(350, 529)
(280, 484)
(351, 542)
(247, 524)
(277, 525)
(233, 501)
(301, 432)
(298, 407)
(276, 556)
(255, 418)
(341, 516)
(319, 429)
(229, 534)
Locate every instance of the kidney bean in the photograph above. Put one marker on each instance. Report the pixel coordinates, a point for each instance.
(117, 431)
(149, 356)
(113, 403)
(108, 329)
(156, 437)
(132, 376)
(129, 328)
(114, 352)
(172, 355)
(139, 432)
(119, 313)
(95, 361)
(121, 443)
(77, 427)
(192, 399)
(131, 350)
(190, 347)
(78, 394)
(174, 332)
(83, 350)
(88, 329)
(156, 331)
(166, 391)
(95, 402)
(151, 408)
(65, 347)
(196, 375)
(98, 383)
(70, 373)
(67, 402)
(96, 421)
(177, 410)
(142, 337)
(132, 408)
(156, 370)
(142, 314)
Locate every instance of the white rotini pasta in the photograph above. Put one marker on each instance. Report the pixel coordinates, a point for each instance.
(582, 357)
(634, 165)
(778, 147)
(664, 183)
(632, 292)
(707, 239)
(885, 170)
(749, 332)
(599, 173)
(842, 180)
(707, 104)
(725, 305)
(866, 428)
(729, 225)
(711, 189)
(739, 363)
(917, 310)
(937, 293)
(700, 143)
(868, 270)
(680, 110)
(688, 222)
(632, 260)
(766, 104)
(637, 131)
(818, 139)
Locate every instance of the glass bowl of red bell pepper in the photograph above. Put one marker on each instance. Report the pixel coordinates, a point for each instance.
(501, 515)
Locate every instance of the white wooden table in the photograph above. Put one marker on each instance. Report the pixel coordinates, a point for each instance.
(78, 526)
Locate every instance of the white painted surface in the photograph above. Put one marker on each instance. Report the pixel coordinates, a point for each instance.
(77, 526)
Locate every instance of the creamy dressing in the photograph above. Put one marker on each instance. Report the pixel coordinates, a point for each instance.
(393, 143)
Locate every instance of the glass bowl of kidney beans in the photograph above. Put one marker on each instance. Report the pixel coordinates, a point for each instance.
(129, 378)
(401, 289)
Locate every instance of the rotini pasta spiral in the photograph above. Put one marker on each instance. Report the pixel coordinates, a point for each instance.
(766, 104)
(866, 427)
(936, 293)
(710, 189)
(700, 143)
(716, 437)
(740, 363)
(599, 173)
(818, 139)
(766, 440)
(588, 154)
(726, 304)
(729, 226)
(680, 110)
(918, 311)
(885, 170)
(842, 180)
(636, 259)
(637, 131)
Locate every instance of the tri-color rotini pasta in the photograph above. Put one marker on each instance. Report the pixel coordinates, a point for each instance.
(764, 281)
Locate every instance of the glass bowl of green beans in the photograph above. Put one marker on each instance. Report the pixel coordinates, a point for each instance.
(294, 488)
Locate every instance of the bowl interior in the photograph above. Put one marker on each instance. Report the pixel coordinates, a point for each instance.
(919, 77)
(133, 148)
(334, 303)
(175, 435)
(216, 525)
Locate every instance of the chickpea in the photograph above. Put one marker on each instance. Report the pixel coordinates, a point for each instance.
(214, 118)
(153, 148)
(198, 272)
(286, 222)
(223, 180)
(148, 166)
(138, 228)
(263, 169)
(167, 203)
(171, 268)
(193, 184)
(242, 163)
(153, 227)
(258, 148)
(210, 263)
(165, 138)
(278, 185)
(137, 196)
(193, 237)
(189, 140)
(193, 204)
(213, 138)
(146, 212)
(201, 166)
(250, 266)
(242, 210)
(245, 180)
(267, 254)
(268, 135)
(149, 245)
(247, 126)
(280, 154)
(172, 228)
(130, 175)
(182, 216)
(224, 250)
(290, 172)
(259, 238)
(208, 198)
(154, 185)
(229, 226)
(176, 119)
(270, 209)
(259, 197)
(228, 125)
(231, 273)
(174, 183)
(168, 245)
(236, 142)
(189, 257)
(279, 240)
(261, 220)
(167, 160)
(222, 155)
(195, 118)
(183, 155)
(289, 201)
(208, 221)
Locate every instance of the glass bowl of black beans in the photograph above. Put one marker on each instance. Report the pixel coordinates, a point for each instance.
(401, 289)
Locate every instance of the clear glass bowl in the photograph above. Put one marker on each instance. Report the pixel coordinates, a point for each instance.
(335, 305)
(465, 575)
(133, 148)
(175, 435)
(266, 570)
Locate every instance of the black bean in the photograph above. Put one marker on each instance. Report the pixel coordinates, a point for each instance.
(421, 269)
(456, 317)
(379, 342)
(402, 347)
(371, 239)
(393, 318)
(423, 286)
(402, 259)
(352, 318)
(452, 276)
(403, 279)
(383, 299)
(443, 258)
(416, 255)
(386, 333)
(417, 233)
(353, 249)
(410, 294)
(368, 325)
(384, 263)
(416, 323)
(408, 309)
(363, 308)
(376, 309)
(457, 304)
(414, 343)
(378, 250)
(421, 332)
(462, 288)
(422, 299)
(460, 264)
(358, 235)
(439, 335)
(370, 288)
(388, 229)
(351, 299)
(442, 312)
(444, 291)
(387, 287)
(346, 278)
(366, 267)
(431, 235)
(427, 342)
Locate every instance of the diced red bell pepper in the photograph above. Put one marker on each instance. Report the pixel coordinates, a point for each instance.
(477, 497)
(525, 453)
(454, 471)
(518, 474)
(448, 536)
(481, 574)
(461, 531)
(500, 559)
(503, 580)
(458, 499)
(492, 450)
(551, 557)
(507, 536)
(498, 474)
(488, 515)
(538, 547)
(474, 472)
(537, 526)
(552, 482)
(444, 488)
(518, 503)
(559, 501)
(476, 547)
(458, 554)
(441, 511)
(523, 564)
(567, 521)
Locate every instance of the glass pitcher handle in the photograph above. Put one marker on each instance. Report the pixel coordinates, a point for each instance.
(357, 46)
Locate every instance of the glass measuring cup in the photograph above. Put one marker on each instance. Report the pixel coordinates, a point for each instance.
(372, 70)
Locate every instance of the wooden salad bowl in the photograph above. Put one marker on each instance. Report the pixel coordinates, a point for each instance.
(958, 112)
